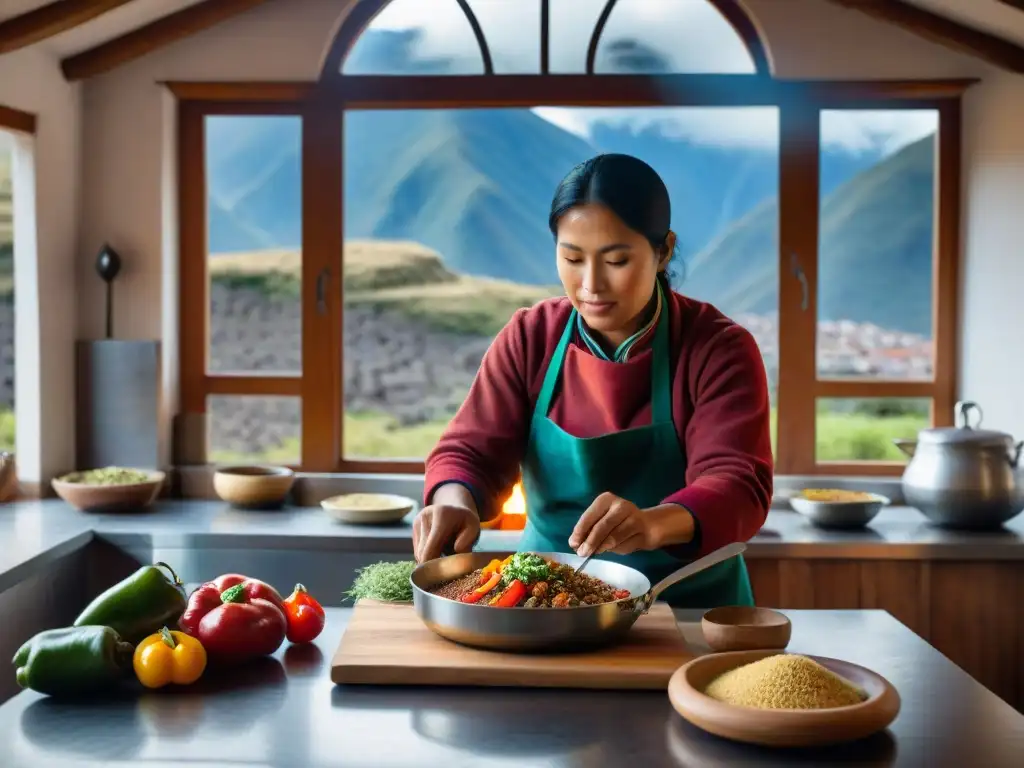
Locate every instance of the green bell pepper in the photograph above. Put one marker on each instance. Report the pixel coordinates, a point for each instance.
(138, 606)
(73, 661)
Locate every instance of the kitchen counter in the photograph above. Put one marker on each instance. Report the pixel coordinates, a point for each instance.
(38, 532)
(286, 712)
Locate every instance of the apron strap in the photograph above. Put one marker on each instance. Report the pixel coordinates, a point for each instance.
(661, 374)
(547, 390)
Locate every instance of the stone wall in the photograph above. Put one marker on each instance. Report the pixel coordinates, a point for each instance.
(393, 365)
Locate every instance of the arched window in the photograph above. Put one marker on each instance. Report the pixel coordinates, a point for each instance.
(461, 37)
(359, 240)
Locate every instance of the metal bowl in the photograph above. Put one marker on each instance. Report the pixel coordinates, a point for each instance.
(839, 514)
(527, 629)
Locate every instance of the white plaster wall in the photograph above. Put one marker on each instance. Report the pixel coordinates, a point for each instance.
(128, 150)
(992, 269)
(30, 80)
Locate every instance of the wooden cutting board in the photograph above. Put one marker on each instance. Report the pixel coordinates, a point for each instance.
(388, 644)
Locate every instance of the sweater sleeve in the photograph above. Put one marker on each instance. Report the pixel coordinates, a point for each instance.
(484, 443)
(728, 445)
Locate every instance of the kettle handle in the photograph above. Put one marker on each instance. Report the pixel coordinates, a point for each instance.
(962, 414)
(1015, 456)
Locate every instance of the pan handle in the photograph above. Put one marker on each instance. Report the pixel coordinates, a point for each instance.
(703, 563)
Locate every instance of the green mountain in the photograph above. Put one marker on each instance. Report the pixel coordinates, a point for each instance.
(875, 244)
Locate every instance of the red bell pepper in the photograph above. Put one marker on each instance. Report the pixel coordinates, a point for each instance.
(510, 598)
(236, 618)
(305, 616)
(483, 589)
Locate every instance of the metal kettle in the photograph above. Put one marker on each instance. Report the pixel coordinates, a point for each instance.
(962, 476)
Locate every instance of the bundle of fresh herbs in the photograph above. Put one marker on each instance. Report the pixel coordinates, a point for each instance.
(384, 581)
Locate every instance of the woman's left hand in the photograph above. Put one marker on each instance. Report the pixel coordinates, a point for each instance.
(611, 524)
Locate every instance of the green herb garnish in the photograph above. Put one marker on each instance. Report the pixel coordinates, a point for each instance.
(527, 567)
(387, 582)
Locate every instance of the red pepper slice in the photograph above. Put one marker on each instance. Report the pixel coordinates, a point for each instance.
(510, 598)
(483, 589)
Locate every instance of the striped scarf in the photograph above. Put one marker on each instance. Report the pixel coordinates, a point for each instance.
(622, 352)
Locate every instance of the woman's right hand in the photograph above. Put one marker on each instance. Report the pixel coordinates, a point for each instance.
(437, 525)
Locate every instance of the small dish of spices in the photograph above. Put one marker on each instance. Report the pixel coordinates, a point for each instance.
(780, 699)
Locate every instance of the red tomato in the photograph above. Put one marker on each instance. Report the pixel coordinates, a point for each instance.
(305, 616)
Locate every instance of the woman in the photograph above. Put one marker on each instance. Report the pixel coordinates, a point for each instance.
(639, 417)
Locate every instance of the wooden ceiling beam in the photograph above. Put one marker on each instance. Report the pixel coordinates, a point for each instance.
(942, 30)
(41, 23)
(16, 120)
(153, 36)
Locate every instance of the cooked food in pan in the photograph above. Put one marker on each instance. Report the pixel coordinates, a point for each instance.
(527, 580)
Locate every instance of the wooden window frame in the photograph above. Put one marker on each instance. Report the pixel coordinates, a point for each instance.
(322, 105)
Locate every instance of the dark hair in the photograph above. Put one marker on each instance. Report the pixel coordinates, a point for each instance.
(627, 186)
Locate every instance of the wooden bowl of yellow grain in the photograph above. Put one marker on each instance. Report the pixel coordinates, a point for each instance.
(784, 700)
(253, 486)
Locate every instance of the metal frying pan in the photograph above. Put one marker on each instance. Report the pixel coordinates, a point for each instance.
(544, 629)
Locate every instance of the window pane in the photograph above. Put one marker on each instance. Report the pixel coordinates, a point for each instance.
(512, 31)
(249, 428)
(876, 244)
(446, 235)
(6, 296)
(863, 429)
(662, 36)
(254, 230)
(413, 37)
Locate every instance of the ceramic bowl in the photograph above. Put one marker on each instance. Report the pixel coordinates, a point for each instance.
(839, 514)
(129, 497)
(368, 508)
(253, 486)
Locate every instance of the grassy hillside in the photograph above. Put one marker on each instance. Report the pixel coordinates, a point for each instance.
(404, 277)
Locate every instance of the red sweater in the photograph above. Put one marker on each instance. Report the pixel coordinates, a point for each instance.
(719, 405)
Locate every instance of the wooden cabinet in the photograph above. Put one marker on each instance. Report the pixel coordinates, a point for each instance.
(971, 611)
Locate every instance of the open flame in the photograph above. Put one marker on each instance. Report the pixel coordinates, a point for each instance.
(516, 503)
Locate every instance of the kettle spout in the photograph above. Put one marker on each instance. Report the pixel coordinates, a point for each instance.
(907, 446)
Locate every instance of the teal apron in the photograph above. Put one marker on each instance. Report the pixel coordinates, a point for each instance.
(562, 475)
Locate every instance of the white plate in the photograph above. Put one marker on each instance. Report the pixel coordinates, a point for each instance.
(368, 508)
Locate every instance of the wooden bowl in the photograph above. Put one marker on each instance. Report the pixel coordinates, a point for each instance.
(8, 477)
(130, 497)
(253, 487)
(781, 727)
(745, 628)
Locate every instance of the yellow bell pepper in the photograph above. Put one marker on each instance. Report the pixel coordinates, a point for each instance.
(492, 567)
(169, 657)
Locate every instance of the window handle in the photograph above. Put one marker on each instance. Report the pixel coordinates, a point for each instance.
(321, 291)
(798, 272)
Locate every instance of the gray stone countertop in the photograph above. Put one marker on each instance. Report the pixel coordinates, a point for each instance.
(34, 533)
(284, 712)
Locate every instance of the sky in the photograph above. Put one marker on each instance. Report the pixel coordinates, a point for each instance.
(688, 33)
